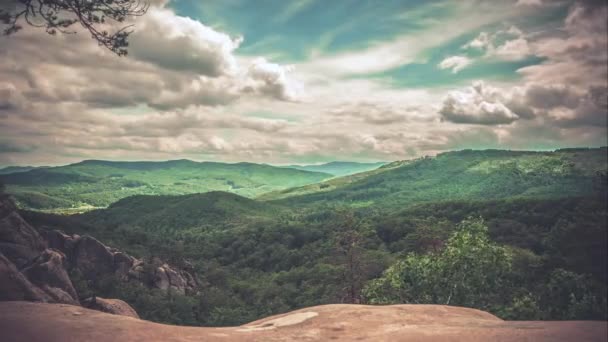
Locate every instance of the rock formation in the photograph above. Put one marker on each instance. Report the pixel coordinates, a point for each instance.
(34, 322)
(35, 265)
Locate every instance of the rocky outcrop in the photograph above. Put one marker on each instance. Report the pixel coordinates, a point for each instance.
(35, 265)
(15, 286)
(95, 260)
(48, 272)
(113, 306)
(19, 241)
(29, 270)
(34, 322)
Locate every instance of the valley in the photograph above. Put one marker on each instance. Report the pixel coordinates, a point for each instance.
(544, 213)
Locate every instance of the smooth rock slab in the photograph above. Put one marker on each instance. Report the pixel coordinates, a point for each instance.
(25, 321)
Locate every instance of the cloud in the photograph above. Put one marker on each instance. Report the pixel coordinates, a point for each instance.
(529, 2)
(379, 113)
(456, 63)
(10, 98)
(405, 49)
(272, 79)
(509, 45)
(180, 43)
(577, 54)
(556, 105)
(478, 104)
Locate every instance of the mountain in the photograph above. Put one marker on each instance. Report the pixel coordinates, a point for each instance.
(16, 169)
(339, 168)
(542, 213)
(97, 183)
(461, 175)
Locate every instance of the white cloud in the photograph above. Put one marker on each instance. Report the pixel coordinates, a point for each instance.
(405, 49)
(513, 50)
(478, 104)
(455, 63)
(180, 43)
(529, 2)
(510, 44)
(272, 79)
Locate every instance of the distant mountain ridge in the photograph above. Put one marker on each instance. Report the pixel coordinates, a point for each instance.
(16, 169)
(339, 168)
(458, 175)
(98, 183)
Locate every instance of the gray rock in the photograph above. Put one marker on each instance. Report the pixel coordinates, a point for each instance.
(92, 258)
(15, 286)
(49, 273)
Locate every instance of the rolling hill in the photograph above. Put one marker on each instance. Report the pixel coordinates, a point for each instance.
(460, 175)
(96, 183)
(257, 258)
(17, 169)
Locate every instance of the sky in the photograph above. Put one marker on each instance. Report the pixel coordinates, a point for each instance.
(311, 81)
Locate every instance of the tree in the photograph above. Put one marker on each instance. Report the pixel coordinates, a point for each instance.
(59, 15)
(470, 271)
(347, 240)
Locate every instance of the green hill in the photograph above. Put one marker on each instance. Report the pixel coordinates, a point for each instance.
(462, 175)
(339, 168)
(97, 183)
(17, 169)
(211, 209)
(255, 258)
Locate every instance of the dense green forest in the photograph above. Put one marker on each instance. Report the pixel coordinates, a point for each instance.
(522, 235)
(95, 183)
(462, 175)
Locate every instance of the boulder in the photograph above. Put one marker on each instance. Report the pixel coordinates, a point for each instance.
(60, 241)
(161, 279)
(15, 230)
(49, 273)
(15, 286)
(19, 255)
(113, 306)
(92, 258)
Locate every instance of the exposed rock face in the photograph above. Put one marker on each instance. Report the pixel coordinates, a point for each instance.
(33, 322)
(49, 273)
(94, 260)
(15, 286)
(34, 265)
(113, 306)
(18, 240)
(28, 270)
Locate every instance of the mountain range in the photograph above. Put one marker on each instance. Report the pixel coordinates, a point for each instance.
(281, 241)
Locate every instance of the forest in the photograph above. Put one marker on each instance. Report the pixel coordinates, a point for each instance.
(524, 241)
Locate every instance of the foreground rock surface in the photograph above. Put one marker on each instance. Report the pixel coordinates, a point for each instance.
(25, 321)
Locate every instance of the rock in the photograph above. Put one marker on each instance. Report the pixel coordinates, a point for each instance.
(49, 273)
(15, 286)
(113, 306)
(161, 279)
(34, 322)
(123, 264)
(14, 229)
(60, 241)
(34, 272)
(92, 258)
(19, 255)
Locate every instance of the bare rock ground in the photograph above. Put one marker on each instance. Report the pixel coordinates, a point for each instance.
(25, 321)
